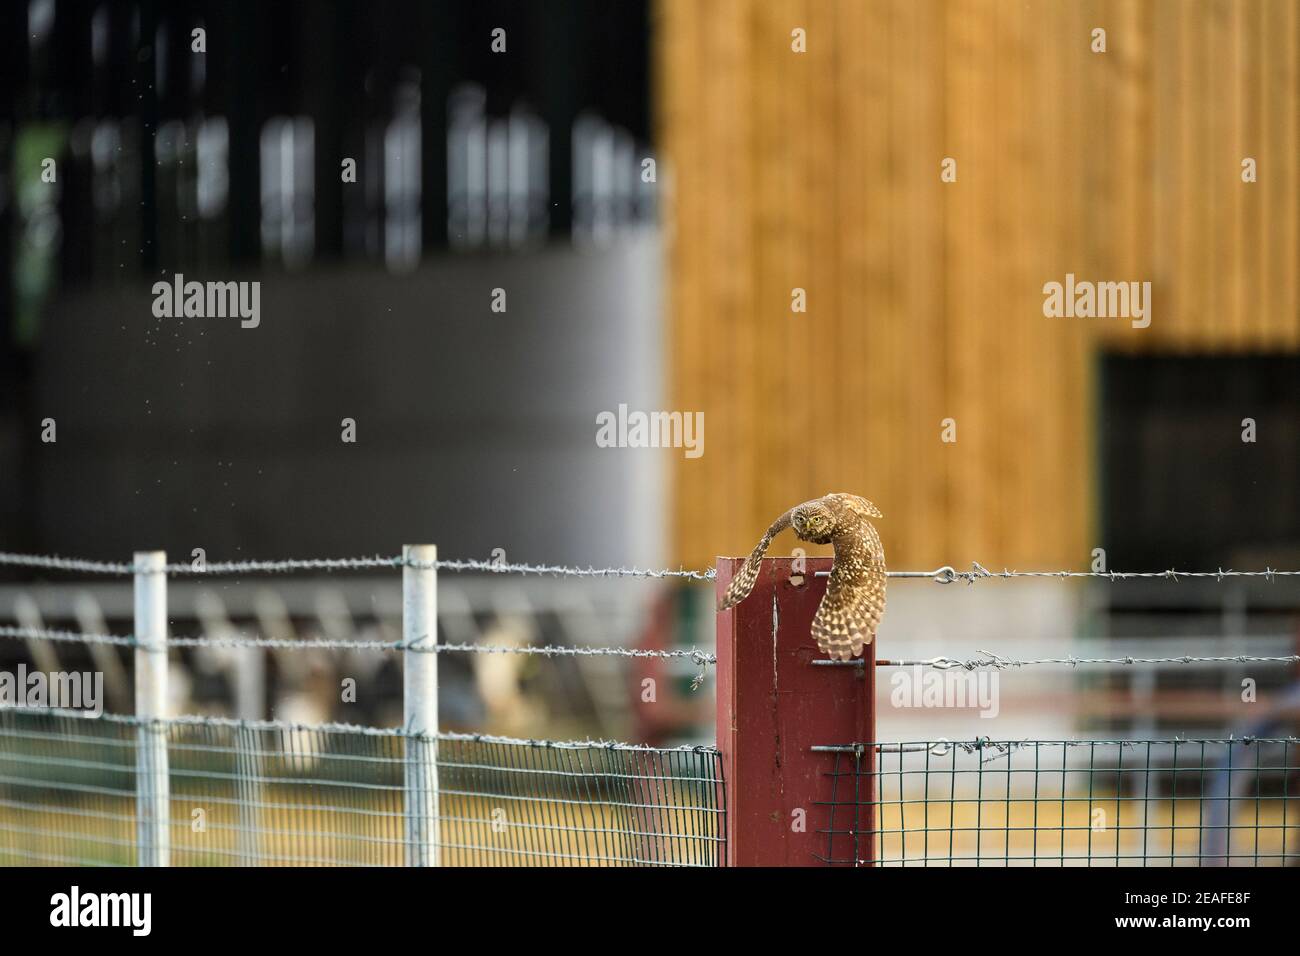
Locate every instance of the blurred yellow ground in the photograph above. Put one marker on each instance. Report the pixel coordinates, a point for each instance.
(1100, 832)
(1103, 832)
(495, 831)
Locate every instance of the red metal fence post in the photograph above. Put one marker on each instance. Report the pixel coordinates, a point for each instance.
(774, 706)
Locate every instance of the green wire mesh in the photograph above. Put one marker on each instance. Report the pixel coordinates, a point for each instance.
(1063, 803)
(257, 795)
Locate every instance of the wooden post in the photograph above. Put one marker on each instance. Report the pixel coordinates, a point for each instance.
(775, 704)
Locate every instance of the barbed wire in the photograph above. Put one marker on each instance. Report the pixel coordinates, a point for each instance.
(943, 575)
(203, 720)
(998, 662)
(123, 568)
(73, 637)
(701, 659)
(54, 563)
(946, 574)
(493, 567)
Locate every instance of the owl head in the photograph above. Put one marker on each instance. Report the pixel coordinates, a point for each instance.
(813, 521)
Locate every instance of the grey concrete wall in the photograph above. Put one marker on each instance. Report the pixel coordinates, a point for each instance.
(476, 430)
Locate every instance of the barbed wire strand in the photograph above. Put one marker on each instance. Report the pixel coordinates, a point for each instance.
(942, 575)
(998, 662)
(947, 574)
(56, 563)
(700, 658)
(200, 720)
(130, 640)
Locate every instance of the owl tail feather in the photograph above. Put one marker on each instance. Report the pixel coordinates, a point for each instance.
(743, 582)
(842, 647)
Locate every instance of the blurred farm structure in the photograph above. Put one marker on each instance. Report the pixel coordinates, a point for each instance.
(471, 255)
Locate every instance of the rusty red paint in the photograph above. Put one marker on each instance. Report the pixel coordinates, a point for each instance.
(774, 705)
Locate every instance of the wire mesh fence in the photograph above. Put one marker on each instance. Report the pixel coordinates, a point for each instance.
(580, 805)
(1064, 803)
(244, 793)
(212, 791)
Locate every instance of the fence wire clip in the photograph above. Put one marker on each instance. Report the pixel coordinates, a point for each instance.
(996, 661)
(948, 574)
(944, 663)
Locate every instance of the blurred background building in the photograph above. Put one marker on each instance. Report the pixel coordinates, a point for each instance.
(775, 173)
(821, 172)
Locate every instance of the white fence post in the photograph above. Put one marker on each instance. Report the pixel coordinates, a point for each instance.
(152, 800)
(420, 702)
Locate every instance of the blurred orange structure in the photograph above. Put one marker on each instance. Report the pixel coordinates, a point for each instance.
(817, 175)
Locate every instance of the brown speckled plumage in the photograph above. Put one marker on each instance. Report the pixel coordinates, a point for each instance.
(854, 602)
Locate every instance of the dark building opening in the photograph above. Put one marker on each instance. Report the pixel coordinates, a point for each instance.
(1186, 481)
(1184, 487)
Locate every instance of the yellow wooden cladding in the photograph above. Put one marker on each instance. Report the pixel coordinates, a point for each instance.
(821, 171)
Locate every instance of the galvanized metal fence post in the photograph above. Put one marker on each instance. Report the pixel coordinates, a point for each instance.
(420, 701)
(788, 802)
(152, 802)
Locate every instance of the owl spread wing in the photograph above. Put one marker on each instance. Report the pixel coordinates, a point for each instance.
(847, 619)
(853, 604)
(743, 582)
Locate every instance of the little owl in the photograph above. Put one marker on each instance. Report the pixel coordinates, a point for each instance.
(855, 597)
